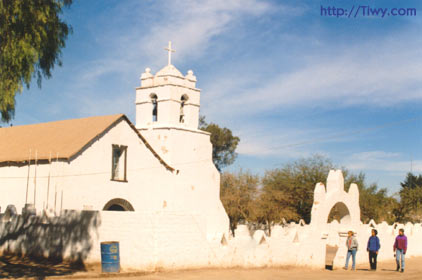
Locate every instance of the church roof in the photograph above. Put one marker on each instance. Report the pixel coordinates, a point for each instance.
(169, 70)
(64, 139)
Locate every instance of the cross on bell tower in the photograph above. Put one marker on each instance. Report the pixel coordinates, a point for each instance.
(170, 50)
(167, 98)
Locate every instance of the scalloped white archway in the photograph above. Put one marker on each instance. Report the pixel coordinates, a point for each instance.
(326, 199)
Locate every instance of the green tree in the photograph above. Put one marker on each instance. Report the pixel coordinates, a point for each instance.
(374, 202)
(409, 208)
(224, 144)
(32, 35)
(298, 180)
(412, 181)
(238, 192)
(271, 206)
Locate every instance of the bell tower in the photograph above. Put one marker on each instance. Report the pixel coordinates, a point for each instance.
(167, 99)
(167, 115)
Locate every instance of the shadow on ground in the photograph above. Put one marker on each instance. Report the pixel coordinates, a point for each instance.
(40, 246)
(12, 266)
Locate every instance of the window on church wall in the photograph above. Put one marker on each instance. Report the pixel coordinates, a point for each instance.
(182, 107)
(154, 107)
(118, 164)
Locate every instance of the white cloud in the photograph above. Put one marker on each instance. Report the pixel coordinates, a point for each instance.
(121, 103)
(371, 155)
(264, 140)
(383, 161)
(91, 71)
(384, 77)
(191, 25)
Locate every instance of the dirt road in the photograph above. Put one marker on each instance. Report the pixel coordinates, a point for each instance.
(386, 271)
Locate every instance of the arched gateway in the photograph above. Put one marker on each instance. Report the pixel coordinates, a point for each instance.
(346, 204)
(118, 204)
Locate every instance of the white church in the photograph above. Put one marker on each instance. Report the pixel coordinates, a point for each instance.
(161, 163)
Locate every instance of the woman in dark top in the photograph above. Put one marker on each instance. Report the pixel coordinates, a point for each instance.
(373, 248)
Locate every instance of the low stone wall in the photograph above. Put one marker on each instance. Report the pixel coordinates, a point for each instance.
(147, 240)
(172, 240)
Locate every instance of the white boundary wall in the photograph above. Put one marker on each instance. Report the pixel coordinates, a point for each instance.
(169, 239)
(172, 240)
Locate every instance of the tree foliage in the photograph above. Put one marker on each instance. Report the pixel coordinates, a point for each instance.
(298, 180)
(224, 144)
(409, 208)
(287, 193)
(32, 35)
(272, 206)
(238, 193)
(412, 181)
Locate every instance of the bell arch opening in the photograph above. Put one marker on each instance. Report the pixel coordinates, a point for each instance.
(339, 212)
(118, 204)
(183, 101)
(154, 101)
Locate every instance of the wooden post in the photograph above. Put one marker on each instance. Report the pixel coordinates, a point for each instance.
(35, 176)
(48, 184)
(27, 178)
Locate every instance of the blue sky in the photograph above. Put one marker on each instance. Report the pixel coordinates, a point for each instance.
(289, 82)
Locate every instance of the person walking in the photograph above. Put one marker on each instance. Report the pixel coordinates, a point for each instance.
(400, 248)
(373, 248)
(352, 247)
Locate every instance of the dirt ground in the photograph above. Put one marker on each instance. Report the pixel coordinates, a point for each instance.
(386, 271)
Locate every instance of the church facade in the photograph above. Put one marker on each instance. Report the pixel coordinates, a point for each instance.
(163, 162)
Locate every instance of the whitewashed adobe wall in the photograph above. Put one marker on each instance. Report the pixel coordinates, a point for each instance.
(176, 239)
(85, 182)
